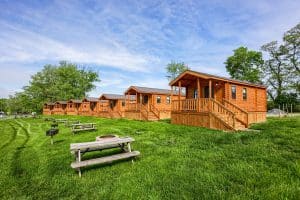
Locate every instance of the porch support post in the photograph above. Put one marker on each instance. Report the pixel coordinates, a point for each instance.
(198, 94)
(171, 98)
(210, 89)
(209, 95)
(127, 104)
(179, 95)
(136, 100)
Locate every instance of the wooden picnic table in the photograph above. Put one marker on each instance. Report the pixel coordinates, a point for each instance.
(78, 149)
(83, 127)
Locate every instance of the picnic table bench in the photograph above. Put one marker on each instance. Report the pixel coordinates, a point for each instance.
(83, 127)
(70, 123)
(61, 120)
(49, 119)
(78, 149)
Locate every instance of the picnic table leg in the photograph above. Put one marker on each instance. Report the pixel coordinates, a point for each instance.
(129, 150)
(79, 159)
(51, 140)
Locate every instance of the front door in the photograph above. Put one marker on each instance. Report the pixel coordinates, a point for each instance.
(145, 99)
(206, 92)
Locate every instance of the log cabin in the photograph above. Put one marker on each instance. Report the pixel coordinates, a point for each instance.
(143, 103)
(218, 102)
(89, 106)
(73, 106)
(111, 106)
(60, 108)
(48, 108)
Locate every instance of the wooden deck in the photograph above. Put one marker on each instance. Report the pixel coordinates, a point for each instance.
(208, 112)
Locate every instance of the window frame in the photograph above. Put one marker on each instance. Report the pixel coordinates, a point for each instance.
(168, 100)
(244, 93)
(158, 99)
(233, 94)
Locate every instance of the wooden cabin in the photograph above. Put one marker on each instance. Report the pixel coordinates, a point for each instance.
(89, 106)
(111, 106)
(60, 108)
(143, 103)
(48, 108)
(73, 106)
(217, 102)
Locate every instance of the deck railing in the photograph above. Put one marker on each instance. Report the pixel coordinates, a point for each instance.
(104, 109)
(154, 110)
(199, 105)
(133, 107)
(205, 105)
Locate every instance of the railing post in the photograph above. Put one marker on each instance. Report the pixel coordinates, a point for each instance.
(179, 94)
(233, 123)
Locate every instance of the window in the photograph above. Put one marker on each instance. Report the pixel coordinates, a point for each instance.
(158, 99)
(245, 93)
(168, 99)
(233, 92)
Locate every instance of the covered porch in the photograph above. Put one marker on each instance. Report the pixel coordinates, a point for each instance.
(206, 103)
(48, 108)
(73, 107)
(60, 108)
(198, 91)
(88, 106)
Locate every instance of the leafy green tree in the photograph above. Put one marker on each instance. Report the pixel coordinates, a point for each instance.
(174, 69)
(275, 71)
(245, 65)
(291, 41)
(4, 105)
(55, 82)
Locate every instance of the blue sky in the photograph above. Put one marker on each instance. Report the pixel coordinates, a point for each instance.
(131, 42)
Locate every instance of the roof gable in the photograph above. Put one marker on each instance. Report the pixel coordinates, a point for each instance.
(210, 76)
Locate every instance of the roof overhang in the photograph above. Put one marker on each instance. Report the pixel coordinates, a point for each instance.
(189, 76)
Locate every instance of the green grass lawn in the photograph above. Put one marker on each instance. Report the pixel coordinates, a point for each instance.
(176, 162)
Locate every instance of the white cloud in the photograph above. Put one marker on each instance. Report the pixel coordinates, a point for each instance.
(18, 45)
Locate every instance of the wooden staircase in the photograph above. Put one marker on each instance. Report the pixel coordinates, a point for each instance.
(151, 114)
(235, 117)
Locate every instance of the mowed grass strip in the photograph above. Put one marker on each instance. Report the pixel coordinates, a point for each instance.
(176, 162)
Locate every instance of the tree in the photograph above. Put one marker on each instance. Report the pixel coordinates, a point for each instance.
(275, 69)
(3, 105)
(63, 82)
(174, 69)
(291, 41)
(245, 65)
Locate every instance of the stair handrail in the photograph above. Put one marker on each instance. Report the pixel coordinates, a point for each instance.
(154, 110)
(244, 112)
(142, 110)
(231, 114)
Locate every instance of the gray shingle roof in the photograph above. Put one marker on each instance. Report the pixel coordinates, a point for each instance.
(61, 102)
(113, 96)
(75, 100)
(216, 77)
(148, 90)
(92, 99)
